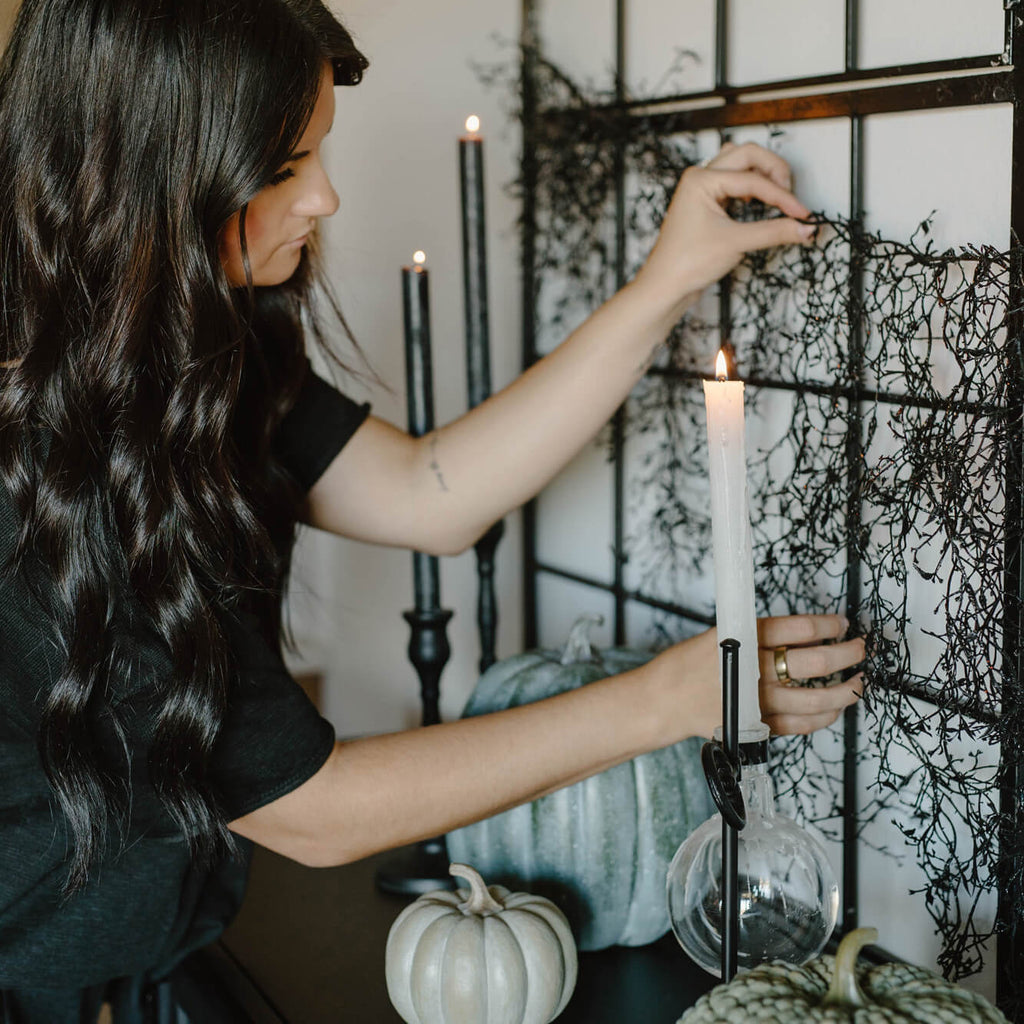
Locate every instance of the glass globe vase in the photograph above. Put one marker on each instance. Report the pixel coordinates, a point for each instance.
(788, 896)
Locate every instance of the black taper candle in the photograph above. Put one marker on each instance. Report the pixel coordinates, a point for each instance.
(478, 358)
(418, 371)
(474, 267)
(420, 403)
(424, 867)
(730, 834)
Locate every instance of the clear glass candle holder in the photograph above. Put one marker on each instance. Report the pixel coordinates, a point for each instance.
(789, 899)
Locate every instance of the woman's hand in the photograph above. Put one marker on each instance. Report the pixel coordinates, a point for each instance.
(700, 243)
(813, 648)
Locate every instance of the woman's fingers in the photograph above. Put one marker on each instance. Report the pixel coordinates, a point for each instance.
(813, 662)
(751, 157)
(799, 725)
(753, 185)
(802, 710)
(812, 700)
(785, 630)
(814, 649)
(772, 232)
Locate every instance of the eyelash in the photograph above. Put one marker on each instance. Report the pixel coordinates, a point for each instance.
(282, 176)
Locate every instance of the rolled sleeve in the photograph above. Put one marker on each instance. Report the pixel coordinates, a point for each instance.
(319, 425)
(273, 739)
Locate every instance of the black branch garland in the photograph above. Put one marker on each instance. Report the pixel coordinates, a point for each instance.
(919, 369)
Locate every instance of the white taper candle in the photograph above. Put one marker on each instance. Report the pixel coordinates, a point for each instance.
(730, 534)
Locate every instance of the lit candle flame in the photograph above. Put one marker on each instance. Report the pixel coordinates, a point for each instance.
(472, 124)
(419, 257)
(721, 368)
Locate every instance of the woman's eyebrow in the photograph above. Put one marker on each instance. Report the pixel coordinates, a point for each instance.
(297, 156)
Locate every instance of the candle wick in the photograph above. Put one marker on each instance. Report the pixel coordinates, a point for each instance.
(722, 379)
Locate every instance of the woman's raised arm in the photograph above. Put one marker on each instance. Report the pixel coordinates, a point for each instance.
(439, 493)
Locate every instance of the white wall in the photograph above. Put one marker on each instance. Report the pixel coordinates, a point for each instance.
(393, 158)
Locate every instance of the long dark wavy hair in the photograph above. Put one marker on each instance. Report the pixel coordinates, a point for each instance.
(141, 391)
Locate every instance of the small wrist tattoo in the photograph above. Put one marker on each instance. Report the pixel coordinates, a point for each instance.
(434, 464)
(649, 361)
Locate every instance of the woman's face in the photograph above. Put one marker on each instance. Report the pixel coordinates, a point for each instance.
(282, 216)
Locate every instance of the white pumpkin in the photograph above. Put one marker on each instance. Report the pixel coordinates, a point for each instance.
(482, 956)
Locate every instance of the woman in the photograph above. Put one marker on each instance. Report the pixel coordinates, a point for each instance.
(160, 435)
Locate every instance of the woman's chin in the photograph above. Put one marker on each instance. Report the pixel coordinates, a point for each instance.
(278, 270)
(281, 267)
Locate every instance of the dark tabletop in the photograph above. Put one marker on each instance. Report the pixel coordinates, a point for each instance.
(308, 948)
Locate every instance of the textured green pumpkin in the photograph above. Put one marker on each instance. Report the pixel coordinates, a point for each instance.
(832, 991)
(601, 848)
(480, 956)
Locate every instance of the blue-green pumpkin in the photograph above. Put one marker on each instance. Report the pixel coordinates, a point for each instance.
(601, 848)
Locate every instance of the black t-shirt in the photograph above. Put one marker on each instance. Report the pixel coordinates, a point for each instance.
(145, 905)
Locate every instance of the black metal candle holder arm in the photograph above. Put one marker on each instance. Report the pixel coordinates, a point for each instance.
(721, 762)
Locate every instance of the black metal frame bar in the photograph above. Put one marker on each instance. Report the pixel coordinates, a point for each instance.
(854, 93)
(736, 93)
(851, 717)
(528, 102)
(969, 90)
(619, 421)
(1010, 951)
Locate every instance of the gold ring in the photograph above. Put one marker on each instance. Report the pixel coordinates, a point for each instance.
(781, 668)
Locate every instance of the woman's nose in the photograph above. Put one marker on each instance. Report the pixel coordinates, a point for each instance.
(319, 198)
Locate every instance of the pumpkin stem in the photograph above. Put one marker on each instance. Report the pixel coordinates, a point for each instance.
(845, 991)
(577, 647)
(480, 901)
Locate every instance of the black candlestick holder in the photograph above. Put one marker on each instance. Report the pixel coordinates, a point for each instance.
(487, 605)
(423, 867)
(721, 761)
(478, 365)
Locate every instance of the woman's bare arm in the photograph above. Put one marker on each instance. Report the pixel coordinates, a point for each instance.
(385, 791)
(440, 492)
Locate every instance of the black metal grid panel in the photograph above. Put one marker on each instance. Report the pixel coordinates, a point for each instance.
(949, 83)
